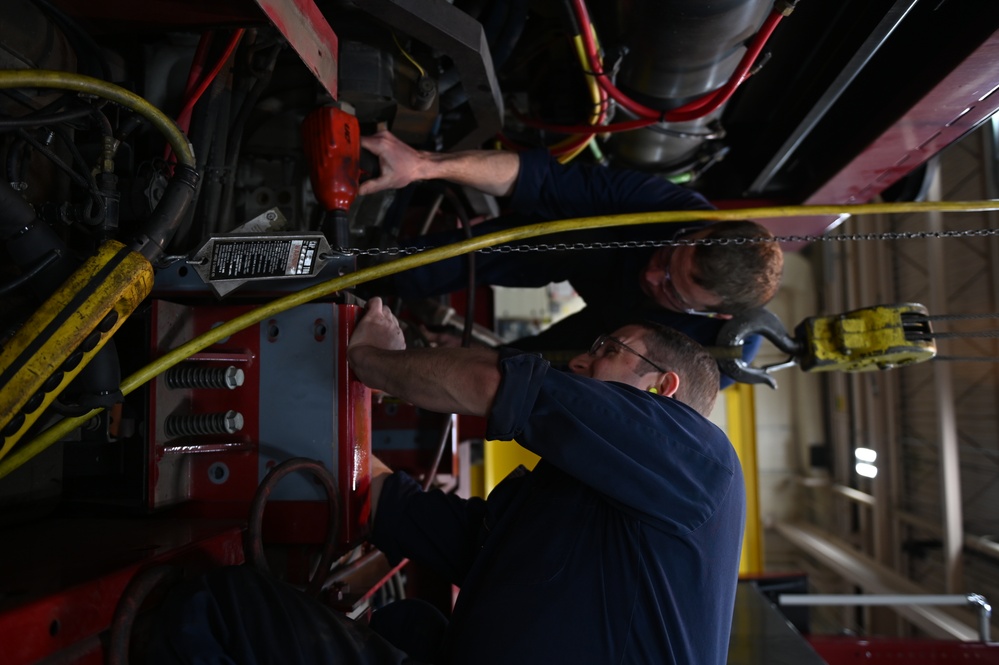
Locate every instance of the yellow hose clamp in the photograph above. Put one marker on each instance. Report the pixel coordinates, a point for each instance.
(66, 332)
(872, 338)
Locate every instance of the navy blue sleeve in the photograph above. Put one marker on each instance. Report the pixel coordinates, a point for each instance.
(438, 530)
(651, 454)
(546, 189)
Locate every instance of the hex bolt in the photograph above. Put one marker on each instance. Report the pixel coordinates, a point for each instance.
(193, 375)
(200, 424)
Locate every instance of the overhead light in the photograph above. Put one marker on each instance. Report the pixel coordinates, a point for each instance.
(866, 470)
(866, 455)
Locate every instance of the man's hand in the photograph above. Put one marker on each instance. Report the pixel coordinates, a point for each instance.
(400, 164)
(443, 380)
(491, 171)
(378, 328)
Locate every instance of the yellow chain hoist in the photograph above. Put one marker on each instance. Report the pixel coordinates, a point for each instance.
(866, 339)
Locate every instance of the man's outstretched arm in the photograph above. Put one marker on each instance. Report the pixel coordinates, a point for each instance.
(443, 380)
(490, 171)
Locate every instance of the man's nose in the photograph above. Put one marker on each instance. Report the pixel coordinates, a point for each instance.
(581, 363)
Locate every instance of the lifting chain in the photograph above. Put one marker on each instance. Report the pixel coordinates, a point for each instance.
(641, 244)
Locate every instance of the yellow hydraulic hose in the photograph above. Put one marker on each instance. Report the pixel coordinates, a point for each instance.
(594, 90)
(40, 78)
(25, 452)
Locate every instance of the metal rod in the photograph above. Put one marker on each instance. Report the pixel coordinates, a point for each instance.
(871, 45)
(891, 600)
(445, 436)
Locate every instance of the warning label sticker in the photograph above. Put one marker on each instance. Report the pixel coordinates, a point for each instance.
(260, 258)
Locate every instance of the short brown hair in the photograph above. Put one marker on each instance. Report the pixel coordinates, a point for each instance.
(698, 371)
(744, 275)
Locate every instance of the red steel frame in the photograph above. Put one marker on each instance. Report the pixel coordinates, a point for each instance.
(844, 651)
(71, 573)
(962, 101)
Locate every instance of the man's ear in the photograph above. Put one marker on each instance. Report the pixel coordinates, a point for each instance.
(670, 384)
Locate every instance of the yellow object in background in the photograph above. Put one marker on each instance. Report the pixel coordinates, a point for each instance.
(502, 457)
(740, 415)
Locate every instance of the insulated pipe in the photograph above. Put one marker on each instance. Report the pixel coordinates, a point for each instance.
(679, 50)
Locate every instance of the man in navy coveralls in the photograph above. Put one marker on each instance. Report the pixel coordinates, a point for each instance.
(621, 546)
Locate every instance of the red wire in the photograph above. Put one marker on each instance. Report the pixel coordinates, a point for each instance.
(184, 117)
(197, 65)
(708, 103)
(699, 107)
(591, 55)
(194, 92)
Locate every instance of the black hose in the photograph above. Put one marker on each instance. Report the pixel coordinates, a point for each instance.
(253, 543)
(15, 156)
(28, 241)
(127, 611)
(37, 119)
(206, 122)
(50, 258)
(166, 218)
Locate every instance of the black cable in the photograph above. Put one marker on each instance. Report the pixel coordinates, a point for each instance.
(88, 176)
(15, 155)
(54, 158)
(51, 257)
(37, 119)
(127, 611)
(234, 144)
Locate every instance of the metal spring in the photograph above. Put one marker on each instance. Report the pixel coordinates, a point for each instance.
(194, 375)
(204, 423)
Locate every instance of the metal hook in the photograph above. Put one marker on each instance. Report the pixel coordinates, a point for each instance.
(756, 322)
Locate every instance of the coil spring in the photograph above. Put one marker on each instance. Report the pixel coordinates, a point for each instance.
(193, 375)
(204, 423)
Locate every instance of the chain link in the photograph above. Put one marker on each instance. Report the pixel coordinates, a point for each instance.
(642, 244)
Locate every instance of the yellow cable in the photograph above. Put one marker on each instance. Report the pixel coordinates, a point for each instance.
(408, 56)
(39, 78)
(25, 452)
